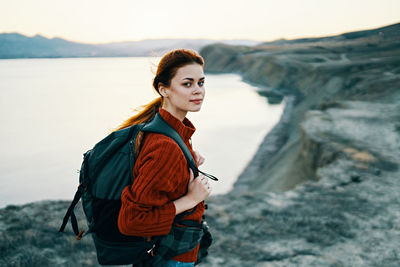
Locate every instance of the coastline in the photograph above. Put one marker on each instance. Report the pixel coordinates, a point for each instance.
(341, 133)
(273, 141)
(328, 192)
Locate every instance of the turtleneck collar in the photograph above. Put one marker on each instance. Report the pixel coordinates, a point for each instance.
(184, 128)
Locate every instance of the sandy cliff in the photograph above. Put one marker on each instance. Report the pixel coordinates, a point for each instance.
(323, 189)
(316, 75)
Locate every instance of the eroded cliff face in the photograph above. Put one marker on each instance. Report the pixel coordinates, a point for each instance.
(316, 75)
(349, 217)
(323, 188)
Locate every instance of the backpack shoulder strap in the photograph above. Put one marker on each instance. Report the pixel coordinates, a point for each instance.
(159, 125)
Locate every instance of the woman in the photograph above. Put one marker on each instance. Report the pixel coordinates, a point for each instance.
(163, 186)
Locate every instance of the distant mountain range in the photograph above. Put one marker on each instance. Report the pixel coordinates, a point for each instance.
(15, 45)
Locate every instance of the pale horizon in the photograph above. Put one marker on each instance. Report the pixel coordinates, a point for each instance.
(96, 22)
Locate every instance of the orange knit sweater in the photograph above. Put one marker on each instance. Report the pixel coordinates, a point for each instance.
(161, 175)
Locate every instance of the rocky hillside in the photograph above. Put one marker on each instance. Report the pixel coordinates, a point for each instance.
(323, 188)
(361, 66)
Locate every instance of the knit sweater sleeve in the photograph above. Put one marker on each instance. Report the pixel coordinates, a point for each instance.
(146, 206)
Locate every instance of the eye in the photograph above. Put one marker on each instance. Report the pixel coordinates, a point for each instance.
(201, 83)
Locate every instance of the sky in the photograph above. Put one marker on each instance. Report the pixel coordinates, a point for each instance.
(103, 21)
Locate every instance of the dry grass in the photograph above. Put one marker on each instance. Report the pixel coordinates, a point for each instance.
(360, 156)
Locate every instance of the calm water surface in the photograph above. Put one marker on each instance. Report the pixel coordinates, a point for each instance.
(54, 110)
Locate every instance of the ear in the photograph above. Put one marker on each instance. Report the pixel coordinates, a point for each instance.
(163, 90)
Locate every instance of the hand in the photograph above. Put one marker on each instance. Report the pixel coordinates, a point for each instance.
(199, 158)
(199, 188)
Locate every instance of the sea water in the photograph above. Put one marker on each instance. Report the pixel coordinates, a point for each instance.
(54, 110)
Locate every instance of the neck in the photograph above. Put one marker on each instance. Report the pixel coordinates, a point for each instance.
(179, 114)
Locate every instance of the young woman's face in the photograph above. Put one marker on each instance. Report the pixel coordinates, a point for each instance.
(186, 91)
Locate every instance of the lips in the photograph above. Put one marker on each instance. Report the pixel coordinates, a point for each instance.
(197, 101)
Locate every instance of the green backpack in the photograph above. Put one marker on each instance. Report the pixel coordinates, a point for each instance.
(105, 171)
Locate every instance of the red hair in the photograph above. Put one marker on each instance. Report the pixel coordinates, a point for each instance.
(166, 70)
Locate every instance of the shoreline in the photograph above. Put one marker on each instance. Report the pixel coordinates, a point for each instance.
(342, 134)
(272, 142)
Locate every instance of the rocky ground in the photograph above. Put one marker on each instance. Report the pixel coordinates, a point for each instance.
(322, 190)
(349, 217)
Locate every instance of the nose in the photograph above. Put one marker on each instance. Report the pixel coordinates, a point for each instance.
(197, 90)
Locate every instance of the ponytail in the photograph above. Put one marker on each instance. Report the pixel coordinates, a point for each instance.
(146, 113)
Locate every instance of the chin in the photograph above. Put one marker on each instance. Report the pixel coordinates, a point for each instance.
(195, 109)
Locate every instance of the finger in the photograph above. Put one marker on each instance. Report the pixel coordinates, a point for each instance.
(191, 177)
(199, 158)
(200, 161)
